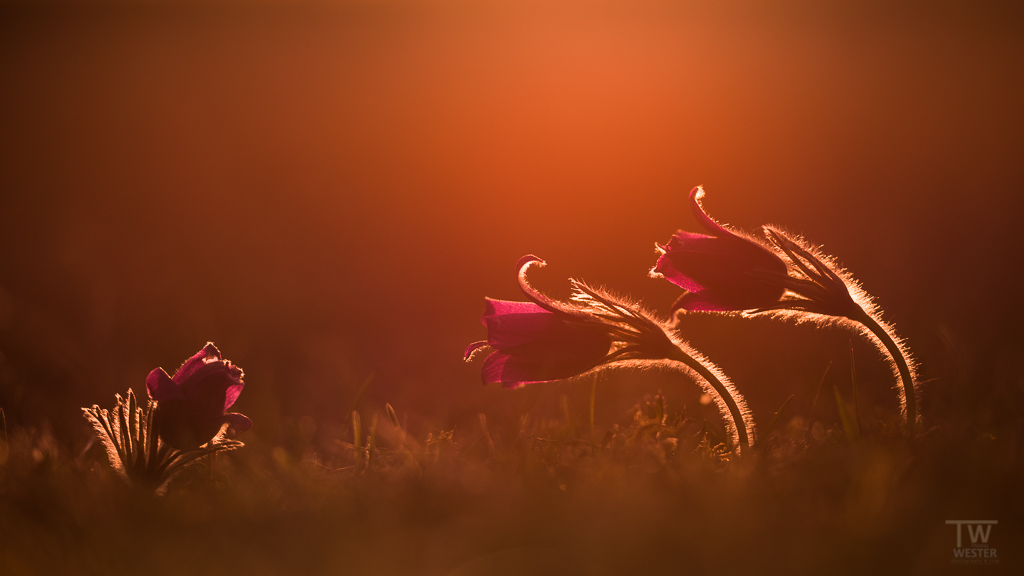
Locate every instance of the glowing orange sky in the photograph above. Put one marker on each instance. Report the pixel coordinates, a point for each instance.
(351, 182)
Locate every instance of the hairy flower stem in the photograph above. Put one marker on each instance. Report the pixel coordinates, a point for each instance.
(723, 392)
(907, 382)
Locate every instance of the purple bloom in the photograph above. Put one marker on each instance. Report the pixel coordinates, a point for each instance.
(538, 341)
(192, 404)
(721, 270)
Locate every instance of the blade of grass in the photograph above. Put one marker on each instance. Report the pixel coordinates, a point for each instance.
(394, 421)
(3, 447)
(487, 432)
(392, 415)
(817, 394)
(473, 443)
(567, 413)
(356, 433)
(359, 395)
(771, 424)
(856, 399)
(371, 442)
(849, 424)
(593, 399)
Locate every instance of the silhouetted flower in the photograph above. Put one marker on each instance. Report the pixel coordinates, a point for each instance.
(192, 403)
(532, 344)
(546, 340)
(538, 341)
(728, 272)
(722, 271)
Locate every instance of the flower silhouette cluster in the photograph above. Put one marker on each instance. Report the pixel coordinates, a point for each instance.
(720, 270)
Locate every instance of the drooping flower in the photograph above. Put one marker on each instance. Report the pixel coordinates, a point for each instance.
(545, 340)
(538, 341)
(532, 344)
(720, 270)
(192, 404)
(729, 272)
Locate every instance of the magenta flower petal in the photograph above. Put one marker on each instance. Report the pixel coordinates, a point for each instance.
(234, 389)
(232, 394)
(237, 424)
(723, 271)
(530, 330)
(220, 377)
(161, 387)
(538, 341)
(511, 324)
(544, 361)
(534, 345)
(510, 372)
(209, 353)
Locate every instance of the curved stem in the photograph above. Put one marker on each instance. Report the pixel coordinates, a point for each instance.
(734, 410)
(907, 382)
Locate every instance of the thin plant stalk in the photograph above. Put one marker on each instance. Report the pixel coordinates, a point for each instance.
(726, 396)
(819, 286)
(909, 397)
(593, 399)
(766, 432)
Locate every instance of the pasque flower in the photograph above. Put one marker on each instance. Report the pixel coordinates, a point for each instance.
(545, 339)
(183, 421)
(192, 403)
(538, 341)
(532, 344)
(720, 270)
(725, 271)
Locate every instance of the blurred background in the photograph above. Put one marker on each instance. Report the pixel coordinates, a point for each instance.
(328, 191)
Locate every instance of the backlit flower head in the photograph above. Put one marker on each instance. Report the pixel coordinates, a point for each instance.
(183, 421)
(721, 270)
(538, 341)
(193, 402)
(729, 272)
(545, 339)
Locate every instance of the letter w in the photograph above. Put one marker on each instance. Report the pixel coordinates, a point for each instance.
(983, 530)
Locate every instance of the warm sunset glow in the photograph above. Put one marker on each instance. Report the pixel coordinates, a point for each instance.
(336, 193)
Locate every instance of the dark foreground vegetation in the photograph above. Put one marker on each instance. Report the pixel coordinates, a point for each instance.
(657, 493)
